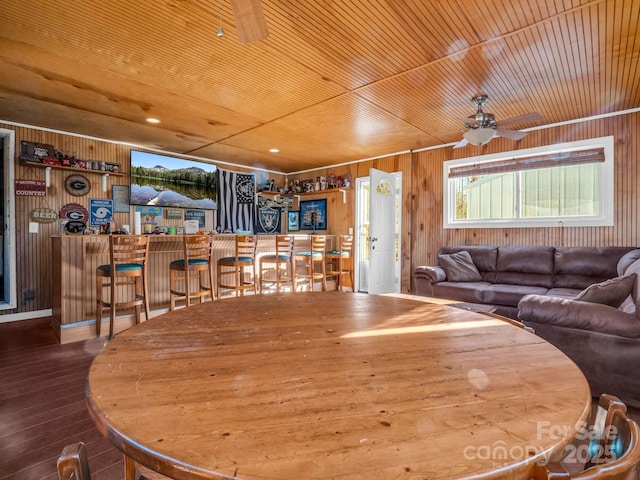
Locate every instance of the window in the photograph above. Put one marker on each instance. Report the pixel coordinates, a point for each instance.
(569, 184)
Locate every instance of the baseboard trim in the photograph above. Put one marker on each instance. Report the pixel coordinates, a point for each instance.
(16, 317)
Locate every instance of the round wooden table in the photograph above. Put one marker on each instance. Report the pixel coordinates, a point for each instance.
(334, 385)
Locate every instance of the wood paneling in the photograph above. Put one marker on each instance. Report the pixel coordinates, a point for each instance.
(335, 81)
(429, 236)
(34, 251)
(422, 205)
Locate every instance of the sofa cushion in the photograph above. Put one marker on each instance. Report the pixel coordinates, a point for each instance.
(459, 267)
(484, 258)
(564, 292)
(525, 265)
(635, 268)
(506, 294)
(612, 292)
(579, 267)
(627, 260)
(470, 292)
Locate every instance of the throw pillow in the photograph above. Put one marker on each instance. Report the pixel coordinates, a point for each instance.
(459, 267)
(612, 292)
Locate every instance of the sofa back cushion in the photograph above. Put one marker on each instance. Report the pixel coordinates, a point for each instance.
(525, 265)
(459, 267)
(579, 267)
(484, 258)
(635, 293)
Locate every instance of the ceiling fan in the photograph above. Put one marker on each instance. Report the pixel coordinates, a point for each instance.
(482, 126)
(250, 21)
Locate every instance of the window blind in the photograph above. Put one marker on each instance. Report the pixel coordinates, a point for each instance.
(558, 159)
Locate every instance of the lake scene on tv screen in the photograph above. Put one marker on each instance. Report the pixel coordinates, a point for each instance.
(164, 181)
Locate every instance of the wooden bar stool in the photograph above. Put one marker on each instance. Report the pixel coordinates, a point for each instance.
(245, 256)
(197, 259)
(339, 262)
(283, 261)
(309, 259)
(127, 266)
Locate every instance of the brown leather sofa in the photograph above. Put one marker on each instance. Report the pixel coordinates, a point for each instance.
(604, 341)
(538, 286)
(508, 273)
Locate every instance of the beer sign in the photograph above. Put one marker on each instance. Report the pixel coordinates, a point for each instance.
(43, 215)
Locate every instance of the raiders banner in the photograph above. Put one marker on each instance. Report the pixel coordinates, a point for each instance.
(267, 217)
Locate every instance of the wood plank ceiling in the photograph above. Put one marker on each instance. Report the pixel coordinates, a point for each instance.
(335, 81)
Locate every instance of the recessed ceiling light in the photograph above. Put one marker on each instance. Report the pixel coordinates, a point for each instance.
(153, 120)
(274, 150)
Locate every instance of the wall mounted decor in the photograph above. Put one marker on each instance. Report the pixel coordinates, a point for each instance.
(313, 215)
(77, 185)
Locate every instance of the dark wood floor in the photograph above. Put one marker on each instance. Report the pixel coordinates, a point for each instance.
(42, 405)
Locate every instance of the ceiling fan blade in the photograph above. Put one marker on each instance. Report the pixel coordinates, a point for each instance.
(249, 19)
(526, 118)
(469, 121)
(512, 134)
(461, 143)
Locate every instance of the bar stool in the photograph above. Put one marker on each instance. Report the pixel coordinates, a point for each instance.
(315, 256)
(283, 261)
(245, 256)
(198, 260)
(339, 261)
(127, 266)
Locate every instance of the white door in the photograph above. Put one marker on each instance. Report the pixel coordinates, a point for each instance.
(378, 235)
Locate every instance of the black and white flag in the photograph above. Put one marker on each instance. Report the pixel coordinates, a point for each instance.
(236, 198)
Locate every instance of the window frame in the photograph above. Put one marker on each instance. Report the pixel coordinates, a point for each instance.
(605, 188)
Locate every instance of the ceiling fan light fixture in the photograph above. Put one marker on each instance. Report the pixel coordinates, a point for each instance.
(479, 136)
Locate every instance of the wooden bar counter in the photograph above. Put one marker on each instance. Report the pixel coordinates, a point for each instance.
(74, 263)
(361, 387)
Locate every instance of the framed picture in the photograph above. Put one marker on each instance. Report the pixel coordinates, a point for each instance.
(313, 215)
(293, 222)
(120, 196)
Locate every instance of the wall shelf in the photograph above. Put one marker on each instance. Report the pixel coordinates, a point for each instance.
(269, 193)
(71, 169)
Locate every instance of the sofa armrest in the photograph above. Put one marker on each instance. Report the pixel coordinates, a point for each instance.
(425, 276)
(576, 314)
(431, 274)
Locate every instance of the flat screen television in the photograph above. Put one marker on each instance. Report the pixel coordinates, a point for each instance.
(164, 181)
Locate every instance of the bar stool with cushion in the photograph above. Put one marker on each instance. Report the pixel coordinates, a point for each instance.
(339, 262)
(245, 257)
(283, 261)
(310, 259)
(127, 266)
(197, 259)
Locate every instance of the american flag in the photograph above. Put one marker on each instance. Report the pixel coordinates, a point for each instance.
(236, 197)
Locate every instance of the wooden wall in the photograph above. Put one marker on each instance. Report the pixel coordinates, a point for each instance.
(428, 235)
(33, 251)
(422, 205)
(422, 232)
(341, 217)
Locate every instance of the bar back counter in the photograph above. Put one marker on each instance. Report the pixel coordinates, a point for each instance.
(76, 257)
